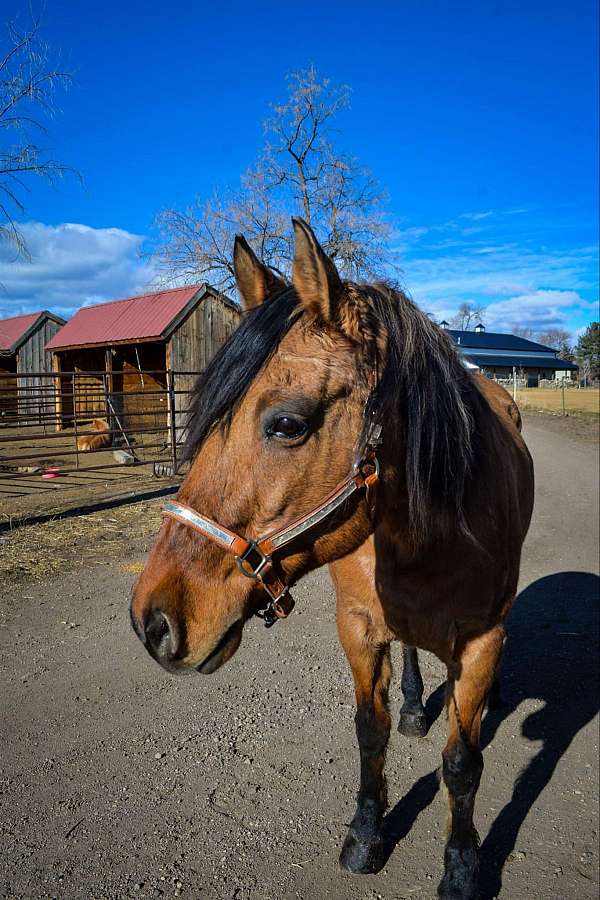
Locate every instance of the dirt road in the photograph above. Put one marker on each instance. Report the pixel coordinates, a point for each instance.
(119, 781)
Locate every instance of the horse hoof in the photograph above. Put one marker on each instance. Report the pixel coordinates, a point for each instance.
(362, 857)
(447, 891)
(461, 878)
(413, 724)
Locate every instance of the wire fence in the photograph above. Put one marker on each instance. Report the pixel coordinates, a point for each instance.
(57, 424)
(561, 400)
(560, 396)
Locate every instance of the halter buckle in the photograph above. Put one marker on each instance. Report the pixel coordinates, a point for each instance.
(255, 558)
(277, 608)
(268, 615)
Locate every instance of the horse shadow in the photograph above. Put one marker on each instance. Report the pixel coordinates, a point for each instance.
(550, 655)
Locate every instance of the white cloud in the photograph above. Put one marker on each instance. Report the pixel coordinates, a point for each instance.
(476, 216)
(539, 310)
(71, 266)
(511, 265)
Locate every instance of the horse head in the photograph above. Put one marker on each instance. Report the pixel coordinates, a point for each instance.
(276, 422)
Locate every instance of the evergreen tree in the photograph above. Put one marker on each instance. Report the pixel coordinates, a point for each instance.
(588, 349)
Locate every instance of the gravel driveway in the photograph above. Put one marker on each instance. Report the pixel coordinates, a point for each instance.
(120, 781)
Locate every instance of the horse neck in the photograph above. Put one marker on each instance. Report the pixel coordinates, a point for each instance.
(393, 521)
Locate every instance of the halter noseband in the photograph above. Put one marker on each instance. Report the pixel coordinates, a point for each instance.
(254, 557)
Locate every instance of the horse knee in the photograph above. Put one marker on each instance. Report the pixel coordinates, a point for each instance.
(372, 728)
(462, 767)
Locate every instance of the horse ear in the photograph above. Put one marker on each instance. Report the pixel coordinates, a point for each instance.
(253, 279)
(316, 278)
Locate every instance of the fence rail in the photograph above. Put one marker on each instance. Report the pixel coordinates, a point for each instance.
(560, 400)
(561, 396)
(44, 417)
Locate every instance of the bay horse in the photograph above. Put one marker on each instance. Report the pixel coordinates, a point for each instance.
(339, 426)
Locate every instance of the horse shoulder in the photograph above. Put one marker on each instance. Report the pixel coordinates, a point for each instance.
(500, 401)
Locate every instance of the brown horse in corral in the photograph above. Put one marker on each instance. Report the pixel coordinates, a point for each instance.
(338, 426)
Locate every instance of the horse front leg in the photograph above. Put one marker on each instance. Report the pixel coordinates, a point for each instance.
(413, 720)
(469, 681)
(370, 662)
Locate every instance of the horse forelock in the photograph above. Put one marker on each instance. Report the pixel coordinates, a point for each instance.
(424, 397)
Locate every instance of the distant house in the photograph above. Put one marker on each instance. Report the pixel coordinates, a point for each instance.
(497, 354)
(125, 348)
(22, 360)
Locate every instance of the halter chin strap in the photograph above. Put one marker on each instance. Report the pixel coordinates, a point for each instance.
(254, 557)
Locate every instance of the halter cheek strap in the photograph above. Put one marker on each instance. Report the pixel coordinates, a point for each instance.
(254, 557)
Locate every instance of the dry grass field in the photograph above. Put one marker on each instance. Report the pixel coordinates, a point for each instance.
(584, 403)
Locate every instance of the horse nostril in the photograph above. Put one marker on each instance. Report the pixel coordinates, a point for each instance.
(159, 635)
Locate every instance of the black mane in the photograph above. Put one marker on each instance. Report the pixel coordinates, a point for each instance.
(430, 399)
(424, 394)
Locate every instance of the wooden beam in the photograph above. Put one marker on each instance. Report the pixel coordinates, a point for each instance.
(57, 392)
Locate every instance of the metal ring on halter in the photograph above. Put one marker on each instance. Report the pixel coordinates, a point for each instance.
(372, 461)
(375, 463)
(264, 561)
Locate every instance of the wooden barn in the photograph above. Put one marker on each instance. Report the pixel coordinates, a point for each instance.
(22, 358)
(128, 354)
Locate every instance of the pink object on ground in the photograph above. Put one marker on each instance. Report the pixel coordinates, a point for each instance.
(52, 472)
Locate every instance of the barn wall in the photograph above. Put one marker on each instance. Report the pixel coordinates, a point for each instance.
(36, 395)
(8, 385)
(197, 339)
(193, 345)
(86, 400)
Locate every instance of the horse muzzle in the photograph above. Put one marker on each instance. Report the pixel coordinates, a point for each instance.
(164, 640)
(223, 650)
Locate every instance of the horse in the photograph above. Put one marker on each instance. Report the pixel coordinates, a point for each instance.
(338, 426)
(95, 441)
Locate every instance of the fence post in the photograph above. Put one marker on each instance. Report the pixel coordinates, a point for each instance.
(515, 383)
(562, 387)
(172, 417)
(75, 420)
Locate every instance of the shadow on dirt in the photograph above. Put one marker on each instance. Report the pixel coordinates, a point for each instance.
(550, 655)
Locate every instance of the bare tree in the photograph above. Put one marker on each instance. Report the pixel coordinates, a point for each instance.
(299, 172)
(28, 85)
(558, 339)
(468, 315)
(523, 331)
(198, 242)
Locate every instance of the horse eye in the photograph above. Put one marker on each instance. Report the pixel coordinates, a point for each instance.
(287, 427)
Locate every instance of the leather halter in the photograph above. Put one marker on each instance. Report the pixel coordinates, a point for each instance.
(254, 557)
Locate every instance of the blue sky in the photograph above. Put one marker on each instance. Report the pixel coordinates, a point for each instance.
(478, 118)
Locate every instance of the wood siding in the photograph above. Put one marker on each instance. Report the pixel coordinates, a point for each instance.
(83, 396)
(193, 345)
(8, 385)
(36, 395)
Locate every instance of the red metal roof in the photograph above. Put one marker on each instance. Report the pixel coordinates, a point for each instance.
(136, 318)
(13, 329)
